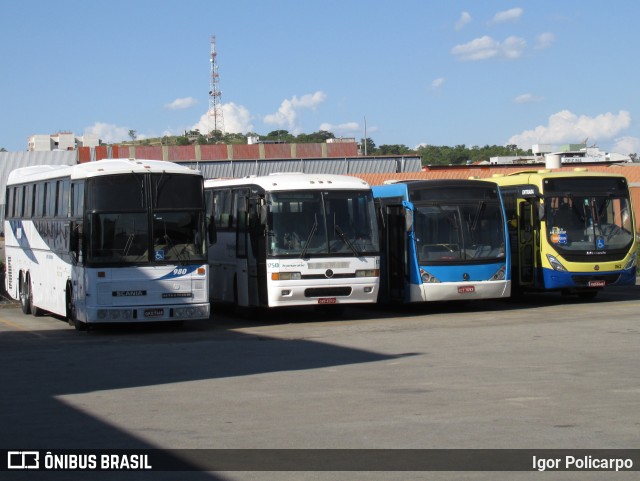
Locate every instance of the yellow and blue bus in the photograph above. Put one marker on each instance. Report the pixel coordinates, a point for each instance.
(571, 231)
(442, 240)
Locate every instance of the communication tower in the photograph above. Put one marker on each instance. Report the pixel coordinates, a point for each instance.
(216, 119)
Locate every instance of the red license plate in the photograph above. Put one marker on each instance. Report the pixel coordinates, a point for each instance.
(327, 300)
(597, 283)
(466, 289)
(153, 312)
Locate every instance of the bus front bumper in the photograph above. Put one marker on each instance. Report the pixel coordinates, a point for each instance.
(587, 280)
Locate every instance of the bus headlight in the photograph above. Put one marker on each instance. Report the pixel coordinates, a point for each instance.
(500, 274)
(368, 273)
(286, 276)
(428, 278)
(555, 263)
(632, 261)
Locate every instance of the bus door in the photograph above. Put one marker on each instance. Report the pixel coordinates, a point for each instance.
(243, 257)
(526, 243)
(395, 251)
(256, 253)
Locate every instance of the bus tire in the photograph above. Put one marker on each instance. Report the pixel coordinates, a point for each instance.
(23, 286)
(71, 310)
(35, 310)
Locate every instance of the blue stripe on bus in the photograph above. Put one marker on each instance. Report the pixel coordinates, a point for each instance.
(23, 242)
(455, 273)
(564, 280)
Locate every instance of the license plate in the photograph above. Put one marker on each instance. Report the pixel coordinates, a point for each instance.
(153, 312)
(466, 289)
(327, 300)
(597, 283)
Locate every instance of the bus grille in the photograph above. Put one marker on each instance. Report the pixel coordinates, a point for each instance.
(324, 276)
(584, 280)
(327, 292)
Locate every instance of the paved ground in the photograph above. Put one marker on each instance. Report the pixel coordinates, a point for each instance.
(550, 372)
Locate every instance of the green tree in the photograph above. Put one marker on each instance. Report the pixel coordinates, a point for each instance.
(280, 136)
(395, 149)
(182, 140)
(133, 134)
(369, 144)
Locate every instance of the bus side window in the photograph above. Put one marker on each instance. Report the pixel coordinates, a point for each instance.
(8, 211)
(222, 209)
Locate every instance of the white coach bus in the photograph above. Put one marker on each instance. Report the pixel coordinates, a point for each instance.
(293, 239)
(119, 240)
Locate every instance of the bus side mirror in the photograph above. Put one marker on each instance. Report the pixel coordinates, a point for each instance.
(408, 220)
(265, 215)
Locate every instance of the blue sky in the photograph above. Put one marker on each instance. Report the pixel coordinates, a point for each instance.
(419, 71)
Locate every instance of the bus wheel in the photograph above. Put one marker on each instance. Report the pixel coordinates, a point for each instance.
(71, 310)
(35, 310)
(24, 295)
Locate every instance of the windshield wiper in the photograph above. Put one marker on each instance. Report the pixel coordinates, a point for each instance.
(313, 230)
(346, 240)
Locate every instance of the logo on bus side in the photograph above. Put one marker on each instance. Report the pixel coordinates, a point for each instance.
(128, 293)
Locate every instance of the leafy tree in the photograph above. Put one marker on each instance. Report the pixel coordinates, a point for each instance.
(182, 140)
(2, 149)
(370, 146)
(280, 136)
(133, 134)
(237, 138)
(395, 149)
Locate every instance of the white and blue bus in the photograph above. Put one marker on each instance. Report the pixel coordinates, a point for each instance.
(293, 240)
(442, 240)
(118, 240)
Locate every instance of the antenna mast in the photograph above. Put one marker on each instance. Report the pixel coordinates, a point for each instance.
(216, 119)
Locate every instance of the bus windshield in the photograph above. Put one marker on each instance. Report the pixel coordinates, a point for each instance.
(458, 232)
(303, 223)
(581, 223)
(128, 226)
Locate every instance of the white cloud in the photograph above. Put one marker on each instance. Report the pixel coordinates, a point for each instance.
(180, 104)
(287, 114)
(567, 127)
(110, 133)
(485, 47)
(464, 19)
(236, 118)
(527, 99)
(626, 145)
(437, 83)
(545, 40)
(510, 15)
(347, 127)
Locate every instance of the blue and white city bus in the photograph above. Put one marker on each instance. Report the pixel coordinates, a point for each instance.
(119, 240)
(293, 240)
(442, 240)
